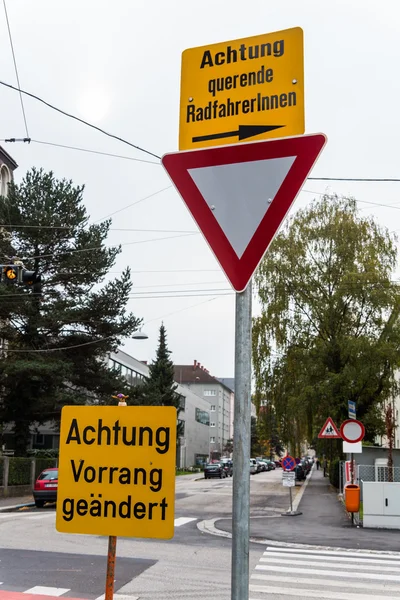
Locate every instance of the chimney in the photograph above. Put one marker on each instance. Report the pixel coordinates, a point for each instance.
(194, 364)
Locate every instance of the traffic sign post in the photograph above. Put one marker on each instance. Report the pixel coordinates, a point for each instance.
(117, 474)
(251, 88)
(289, 480)
(240, 91)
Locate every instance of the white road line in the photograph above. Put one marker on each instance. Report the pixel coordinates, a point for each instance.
(47, 591)
(370, 561)
(377, 587)
(329, 573)
(325, 595)
(341, 565)
(183, 520)
(333, 552)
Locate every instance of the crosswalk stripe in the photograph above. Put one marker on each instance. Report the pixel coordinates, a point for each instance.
(360, 554)
(377, 587)
(341, 565)
(329, 573)
(44, 590)
(369, 561)
(183, 520)
(326, 595)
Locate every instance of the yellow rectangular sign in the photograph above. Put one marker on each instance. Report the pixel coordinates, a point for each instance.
(117, 471)
(244, 90)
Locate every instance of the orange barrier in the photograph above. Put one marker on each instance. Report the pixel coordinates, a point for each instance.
(352, 497)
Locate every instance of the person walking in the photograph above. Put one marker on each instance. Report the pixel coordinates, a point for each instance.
(318, 463)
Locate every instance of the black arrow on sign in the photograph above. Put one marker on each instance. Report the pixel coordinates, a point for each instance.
(244, 132)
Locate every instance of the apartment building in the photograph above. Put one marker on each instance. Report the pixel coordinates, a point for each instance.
(219, 398)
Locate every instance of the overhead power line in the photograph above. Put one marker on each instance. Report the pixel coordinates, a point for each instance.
(63, 112)
(15, 67)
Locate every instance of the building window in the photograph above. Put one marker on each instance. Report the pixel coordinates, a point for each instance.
(212, 408)
(182, 402)
(209, 393)
(212, 424)
(202, 416)
(212, 440)
(38, 439)
(5, 179)
(181, 425)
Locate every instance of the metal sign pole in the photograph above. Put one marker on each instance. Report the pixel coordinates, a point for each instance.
(241, 448)
(112, 539)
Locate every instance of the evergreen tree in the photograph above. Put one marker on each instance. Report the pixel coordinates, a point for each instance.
(160, 387)
(55, 343)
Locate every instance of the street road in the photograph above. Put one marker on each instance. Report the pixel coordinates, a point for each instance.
(191, 565)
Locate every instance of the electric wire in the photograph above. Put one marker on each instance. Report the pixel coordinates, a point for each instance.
(15, 67)
(70, 116)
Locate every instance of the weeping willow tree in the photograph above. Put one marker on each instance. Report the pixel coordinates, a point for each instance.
(328, 330)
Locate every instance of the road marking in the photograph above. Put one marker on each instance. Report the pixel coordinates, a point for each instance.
(183, 520)
(47, 591)
(370, 561)
(378, 587)
(119, 597)
(329, 573)
(316, 593)
(343, 565)
(341, 552)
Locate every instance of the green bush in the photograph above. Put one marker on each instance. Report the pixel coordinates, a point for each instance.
(334, 473)
(19, 471)
(44, 463)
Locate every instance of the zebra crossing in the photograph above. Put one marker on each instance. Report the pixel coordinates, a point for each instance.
(50, 514)
(290, 572)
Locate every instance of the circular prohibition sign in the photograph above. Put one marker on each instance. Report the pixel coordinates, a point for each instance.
(288, 463)
(352, 431)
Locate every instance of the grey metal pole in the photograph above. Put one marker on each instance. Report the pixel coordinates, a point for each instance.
(241, 448)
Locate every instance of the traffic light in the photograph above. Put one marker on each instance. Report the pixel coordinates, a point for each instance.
(11, 274)
(32, 279)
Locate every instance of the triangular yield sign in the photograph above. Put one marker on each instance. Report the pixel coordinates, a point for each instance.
(329, 430)
(239, 195)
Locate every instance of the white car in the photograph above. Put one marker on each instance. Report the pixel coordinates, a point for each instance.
(253, 466)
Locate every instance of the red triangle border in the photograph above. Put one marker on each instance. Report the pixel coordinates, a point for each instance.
(306, 148)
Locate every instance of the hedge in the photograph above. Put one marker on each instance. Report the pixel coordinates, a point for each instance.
(44, 463)
(19, 471)
(334, 473)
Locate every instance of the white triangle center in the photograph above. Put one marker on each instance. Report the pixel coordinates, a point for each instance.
(240, 194)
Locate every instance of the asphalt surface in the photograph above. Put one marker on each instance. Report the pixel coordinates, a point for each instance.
(83, 575)
(323, 522)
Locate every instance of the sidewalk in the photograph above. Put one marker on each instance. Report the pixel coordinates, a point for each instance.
(323, 522)
(10, 501)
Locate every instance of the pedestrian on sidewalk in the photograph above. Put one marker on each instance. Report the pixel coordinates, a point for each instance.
(318, 463)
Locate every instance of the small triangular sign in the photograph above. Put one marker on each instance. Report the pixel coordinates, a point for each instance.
(329, 430)
(240, 194)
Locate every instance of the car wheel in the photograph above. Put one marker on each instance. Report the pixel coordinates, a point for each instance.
(39, 503)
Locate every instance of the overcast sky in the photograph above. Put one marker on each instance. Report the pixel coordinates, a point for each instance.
(118, 65)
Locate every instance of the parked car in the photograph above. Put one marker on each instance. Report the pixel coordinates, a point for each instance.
(264, 465)
(214, 470)
(228, 466)
(45, 489)
(300, 472)
(260, 465)
(253, 466)
(270, 464)
(306, 465)
(278, 464)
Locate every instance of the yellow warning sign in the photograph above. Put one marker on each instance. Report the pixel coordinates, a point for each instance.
(117, 471)
(243, 90)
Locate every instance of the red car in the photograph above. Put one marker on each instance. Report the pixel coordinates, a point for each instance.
(45, 489)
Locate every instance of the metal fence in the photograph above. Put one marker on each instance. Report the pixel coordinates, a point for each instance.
(378, 473)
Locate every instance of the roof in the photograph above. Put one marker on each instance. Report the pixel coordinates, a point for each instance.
(229, 382)
(10, 162)
(196, 373)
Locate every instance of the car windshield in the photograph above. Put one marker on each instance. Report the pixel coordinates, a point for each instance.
(213, 465)
(48, 475)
